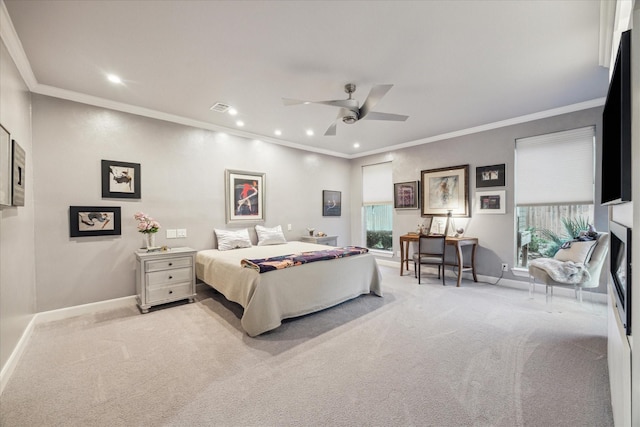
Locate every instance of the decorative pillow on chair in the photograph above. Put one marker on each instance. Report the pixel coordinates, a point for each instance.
(270, 236)
(578, 252)
(233, 239)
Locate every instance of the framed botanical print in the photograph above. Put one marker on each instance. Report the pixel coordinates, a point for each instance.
(490, 176)
(120, 180)
(444, 190)
(406, 195)
(491, 202)
(331, 203)
(85, 221)
(244, 196)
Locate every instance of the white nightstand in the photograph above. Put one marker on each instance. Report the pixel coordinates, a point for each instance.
(324, 240)
(163, 277)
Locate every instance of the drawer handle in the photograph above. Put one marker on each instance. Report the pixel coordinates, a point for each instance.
(170, 264)
(170, 277)
(170, 292)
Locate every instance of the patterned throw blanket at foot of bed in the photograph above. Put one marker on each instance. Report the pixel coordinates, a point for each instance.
(262, 265)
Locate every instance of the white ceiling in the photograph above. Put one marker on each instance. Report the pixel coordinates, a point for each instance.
(455, 65)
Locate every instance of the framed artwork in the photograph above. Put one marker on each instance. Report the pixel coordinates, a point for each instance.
(406, 195)
(5, 167)
(120, 180)
(85, 221)
(491, 202)
(331, 203)
(244, 196)
(17, 192)
(445, 189)
(490, 176)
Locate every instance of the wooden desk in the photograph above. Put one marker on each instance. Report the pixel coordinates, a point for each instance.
(457, 242)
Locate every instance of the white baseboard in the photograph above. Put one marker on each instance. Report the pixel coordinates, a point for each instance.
(60, 314)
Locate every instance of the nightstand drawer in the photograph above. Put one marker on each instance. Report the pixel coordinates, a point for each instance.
(174, 292)
(169, 277)
(163, 264)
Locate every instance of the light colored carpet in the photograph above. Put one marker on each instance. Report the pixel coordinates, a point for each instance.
(428, 355)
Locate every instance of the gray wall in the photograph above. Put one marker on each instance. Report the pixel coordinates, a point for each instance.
(182, 170)
(17, 254)
(495, 232)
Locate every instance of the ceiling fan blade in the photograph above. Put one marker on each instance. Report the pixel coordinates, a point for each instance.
(374, 115)
(289, 101)
(376, 94)
(331, 131)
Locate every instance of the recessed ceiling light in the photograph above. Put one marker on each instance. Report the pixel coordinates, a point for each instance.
(240, 123)
(114, 79)
(356, 145)
(277, 132)
(309, 132)
(233, 111)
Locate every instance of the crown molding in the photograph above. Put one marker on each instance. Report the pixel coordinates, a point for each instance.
(14, 46)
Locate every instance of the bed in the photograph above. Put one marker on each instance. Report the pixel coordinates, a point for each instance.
(268, 298)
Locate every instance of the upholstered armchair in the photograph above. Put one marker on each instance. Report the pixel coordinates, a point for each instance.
(577, 267)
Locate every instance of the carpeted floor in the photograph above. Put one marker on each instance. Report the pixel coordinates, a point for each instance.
(428, 355)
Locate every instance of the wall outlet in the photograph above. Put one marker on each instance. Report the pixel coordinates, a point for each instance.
(181, 232)
(505, 266)
(288, 227)
(171, 234)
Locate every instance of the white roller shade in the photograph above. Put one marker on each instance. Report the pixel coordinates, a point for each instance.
(556, 168)
(377, 184)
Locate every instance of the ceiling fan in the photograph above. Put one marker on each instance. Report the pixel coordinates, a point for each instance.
(349, 110)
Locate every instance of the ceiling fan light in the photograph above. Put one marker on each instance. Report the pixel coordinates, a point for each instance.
(349, 119)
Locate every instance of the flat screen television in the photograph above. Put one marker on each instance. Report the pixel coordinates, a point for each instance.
(616, 129)
(620, 259)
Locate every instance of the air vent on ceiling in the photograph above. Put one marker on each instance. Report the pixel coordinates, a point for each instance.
(219, 107)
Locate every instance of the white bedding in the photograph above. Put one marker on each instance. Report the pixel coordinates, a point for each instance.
(270, 297)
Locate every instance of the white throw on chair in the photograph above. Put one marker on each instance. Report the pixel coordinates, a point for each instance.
(430, 251)
(578, 266)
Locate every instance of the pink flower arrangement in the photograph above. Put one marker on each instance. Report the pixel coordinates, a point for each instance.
(146, 224)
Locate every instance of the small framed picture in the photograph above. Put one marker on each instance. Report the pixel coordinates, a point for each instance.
(85, 221)
(406, 195)
(331, 203)
(120, 180)
(490, 176)
(18, 175)
(491, 202)
(244, 196)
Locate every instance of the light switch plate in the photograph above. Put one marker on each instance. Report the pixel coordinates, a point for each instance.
(171, 234)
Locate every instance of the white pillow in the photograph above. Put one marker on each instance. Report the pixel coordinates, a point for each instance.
(270, 236)
(233, 239)
(578, 252)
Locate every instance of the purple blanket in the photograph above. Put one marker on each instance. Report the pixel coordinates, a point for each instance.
(262, 265)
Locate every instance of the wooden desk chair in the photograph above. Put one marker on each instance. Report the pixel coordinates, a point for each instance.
(430, 251)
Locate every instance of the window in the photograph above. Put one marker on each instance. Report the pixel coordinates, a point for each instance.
(554, 181)
(377, 206)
